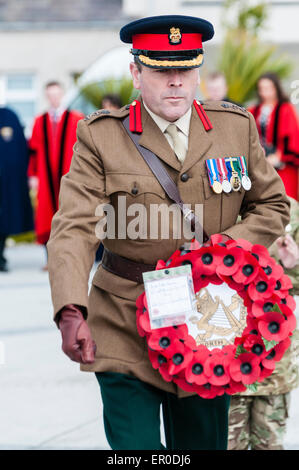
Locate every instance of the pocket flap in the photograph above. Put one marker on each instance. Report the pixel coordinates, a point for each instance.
(133, 184)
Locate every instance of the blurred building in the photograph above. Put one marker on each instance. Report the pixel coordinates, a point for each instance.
(42, 40)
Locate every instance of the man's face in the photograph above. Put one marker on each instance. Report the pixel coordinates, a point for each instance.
(169, 93)
(216, 89)
(54, 95)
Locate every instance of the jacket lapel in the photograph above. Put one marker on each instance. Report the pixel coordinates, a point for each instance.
(199, 142)
(153, 139)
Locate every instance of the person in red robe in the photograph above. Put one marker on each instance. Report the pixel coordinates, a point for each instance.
(278, 125)
(51, 150)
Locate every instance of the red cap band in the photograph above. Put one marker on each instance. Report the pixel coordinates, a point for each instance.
(160, 42)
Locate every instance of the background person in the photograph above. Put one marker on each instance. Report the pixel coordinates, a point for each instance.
(15, 206)
(258, 420)
(278, 125)
(51, 148)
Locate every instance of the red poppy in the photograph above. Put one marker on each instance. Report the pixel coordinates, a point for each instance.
(260, 307)
(282, 286)
(157, 359)
(210, 391)
(180, 358)
(217, 238)
(265, 372)
(276, 353)
(160, 264)
(231, 283)
(208, 258)
(143, 322)
(230, 262)
(245, 244)
(262, 254)
(215, 279)
(245, 368)
(251, 327)
(163, 339)
(289, 316)
(199, 283)
(140, 301)
(289, 301)
(181, 382)
(273, 269)
(274, 327)
(248, 271)
(163, 369)
(262, 287)
(191, 343)
(234, 387)
(255, 345)
(217, 368)
(195, 370)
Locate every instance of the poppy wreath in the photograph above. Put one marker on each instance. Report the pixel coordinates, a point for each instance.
(264, 287)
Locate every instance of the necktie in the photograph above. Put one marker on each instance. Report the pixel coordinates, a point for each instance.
(178, 145)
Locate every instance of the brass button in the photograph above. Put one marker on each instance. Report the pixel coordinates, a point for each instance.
(184, 177)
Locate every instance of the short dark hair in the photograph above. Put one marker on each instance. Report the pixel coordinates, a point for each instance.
(139, 66)
(114, 99)
(53, 83)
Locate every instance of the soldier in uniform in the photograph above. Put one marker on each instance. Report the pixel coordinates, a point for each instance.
(258, 420)
(106, 164)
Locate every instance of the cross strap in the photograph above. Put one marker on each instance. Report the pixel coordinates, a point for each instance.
(167, 183)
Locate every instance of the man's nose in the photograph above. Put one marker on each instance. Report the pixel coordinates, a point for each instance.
(175, 78)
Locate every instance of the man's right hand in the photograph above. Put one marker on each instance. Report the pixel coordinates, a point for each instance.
(77, 342)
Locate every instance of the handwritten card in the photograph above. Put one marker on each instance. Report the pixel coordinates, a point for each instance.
(170, 296)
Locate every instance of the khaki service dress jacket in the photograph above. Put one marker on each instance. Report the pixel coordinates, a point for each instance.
(106, 165)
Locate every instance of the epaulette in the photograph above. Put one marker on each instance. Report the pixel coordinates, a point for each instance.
(225, 106)
(100, 113)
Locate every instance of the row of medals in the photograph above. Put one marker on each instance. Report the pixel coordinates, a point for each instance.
(235, 184)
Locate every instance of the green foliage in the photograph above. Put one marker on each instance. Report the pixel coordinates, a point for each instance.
(243, 57)
(94, 92)
(240, 350)
(269, 344)
(252, 387)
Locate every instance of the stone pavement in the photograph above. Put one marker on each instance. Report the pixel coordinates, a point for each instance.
(46, 402)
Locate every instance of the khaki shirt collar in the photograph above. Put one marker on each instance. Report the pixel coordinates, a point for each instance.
(183, 123)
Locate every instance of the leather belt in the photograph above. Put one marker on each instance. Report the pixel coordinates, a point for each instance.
(125, 267)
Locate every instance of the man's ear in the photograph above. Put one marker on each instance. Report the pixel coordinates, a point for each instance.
(135, 75)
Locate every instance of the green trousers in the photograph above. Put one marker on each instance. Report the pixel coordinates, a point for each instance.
(132, 416)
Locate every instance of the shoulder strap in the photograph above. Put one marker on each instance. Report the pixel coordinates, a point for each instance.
(166, 182)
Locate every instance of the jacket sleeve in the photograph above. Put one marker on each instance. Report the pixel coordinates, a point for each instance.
(265, 210)
(73, 241)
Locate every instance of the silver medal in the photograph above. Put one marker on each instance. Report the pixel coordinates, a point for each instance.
(246, 182)
(226, 186)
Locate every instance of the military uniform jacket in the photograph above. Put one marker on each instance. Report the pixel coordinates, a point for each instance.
(105, 165)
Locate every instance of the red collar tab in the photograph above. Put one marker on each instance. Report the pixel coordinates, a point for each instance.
(175, 40)
(203, 116)
(135, 117)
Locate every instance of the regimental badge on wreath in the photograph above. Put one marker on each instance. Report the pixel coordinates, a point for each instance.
(228, 174)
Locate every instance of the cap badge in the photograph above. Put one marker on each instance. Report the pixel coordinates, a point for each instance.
(175, 36)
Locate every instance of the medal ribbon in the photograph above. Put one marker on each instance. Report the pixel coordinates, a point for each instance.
(228, 167)
(210, 171)
(237, 167)
(219, 171)
(215, 169)
(244, 165)
(223, 168)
